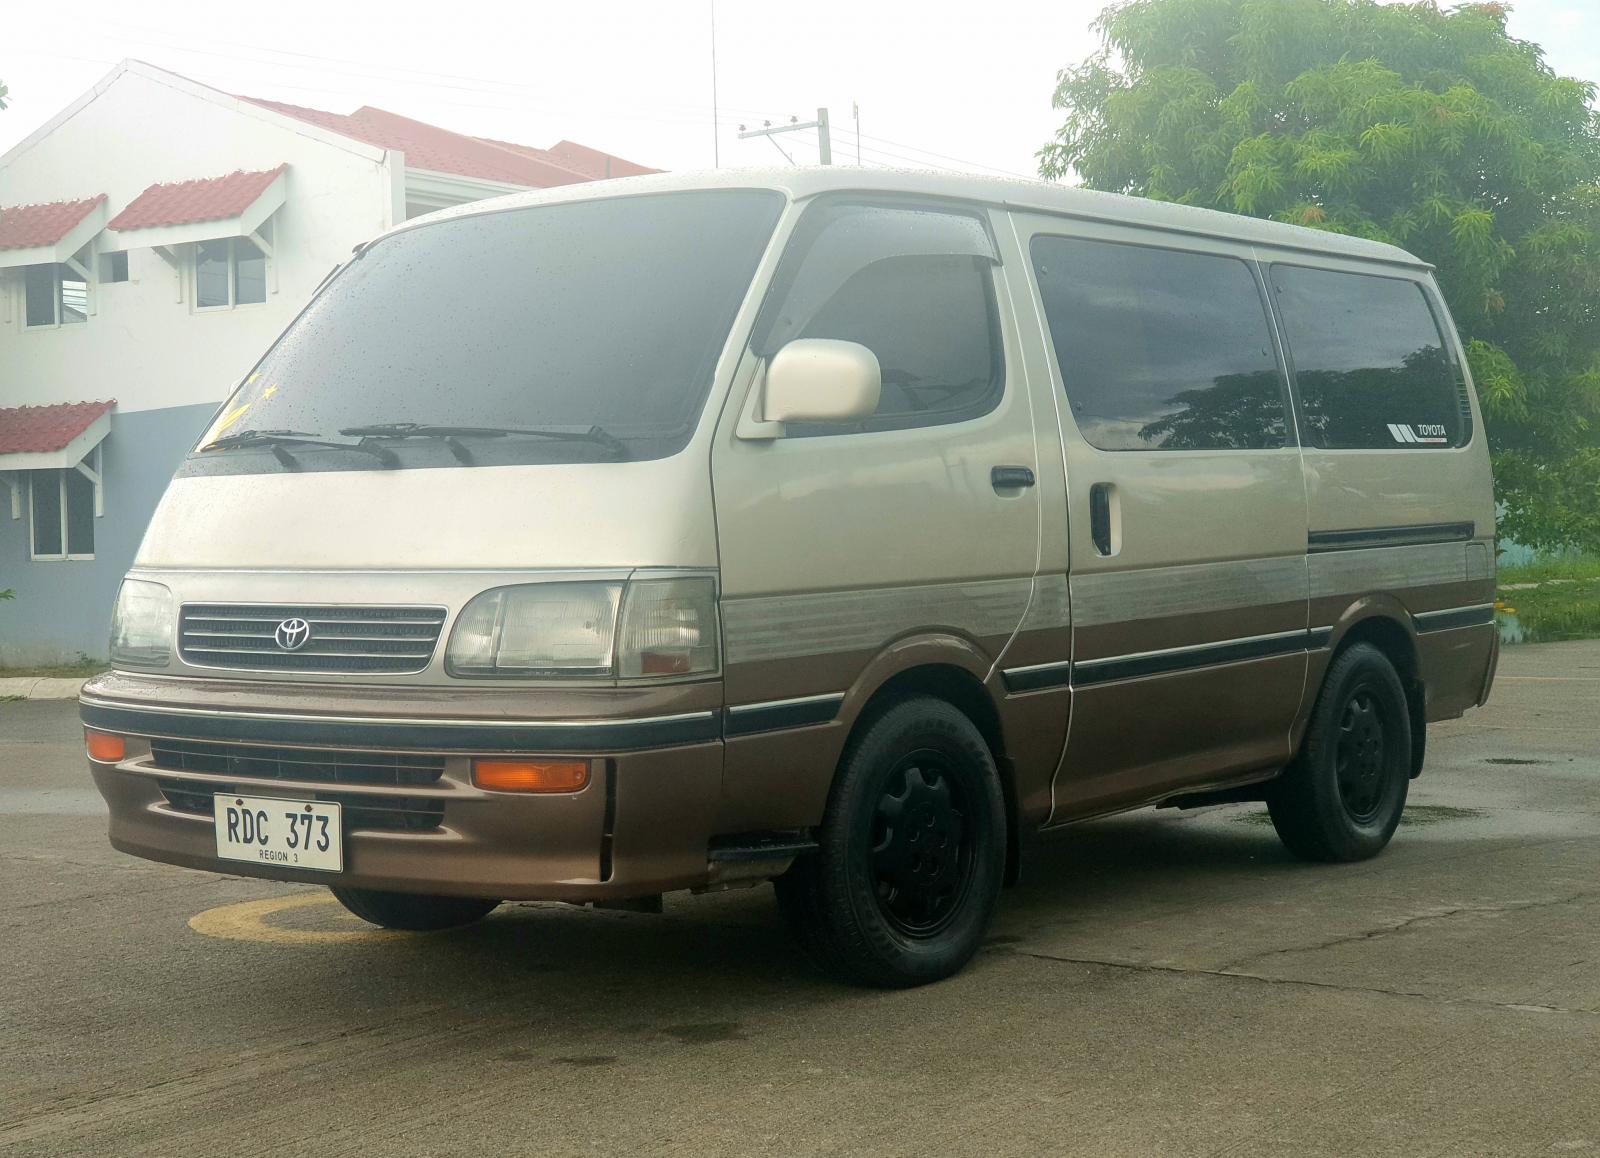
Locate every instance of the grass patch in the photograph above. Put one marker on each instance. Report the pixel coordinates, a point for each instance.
(1564, 567)
(65, 671)
(1415, 815)
(12, 699)
(1564, 605)
(1556, 610)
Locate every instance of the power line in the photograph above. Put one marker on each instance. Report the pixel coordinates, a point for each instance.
(511, 105)
(947, 157)
(885, 157)
(391, 74)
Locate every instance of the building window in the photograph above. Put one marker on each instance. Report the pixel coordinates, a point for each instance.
(114, 266)
(229, 272)
(57, 295)
(61, 509)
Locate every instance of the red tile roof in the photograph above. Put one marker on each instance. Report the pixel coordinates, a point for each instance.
(27, 226)
(206, 199)
(442, 151)
(41, 429)
(596, 164)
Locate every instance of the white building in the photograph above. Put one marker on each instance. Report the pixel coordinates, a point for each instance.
(155, 236)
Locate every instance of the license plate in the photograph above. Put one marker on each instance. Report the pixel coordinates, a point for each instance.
(291, 833)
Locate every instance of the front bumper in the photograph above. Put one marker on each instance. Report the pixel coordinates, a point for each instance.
(642, 825)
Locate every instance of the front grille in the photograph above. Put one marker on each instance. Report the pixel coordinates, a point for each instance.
(342, 639)
(333, 766)
(390, 813)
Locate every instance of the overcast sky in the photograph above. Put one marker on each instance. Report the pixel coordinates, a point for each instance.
(957, 86)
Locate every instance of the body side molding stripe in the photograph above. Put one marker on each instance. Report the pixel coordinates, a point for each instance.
(429, 735)
(1360, 538)
(1478, 615)
(1128, 667)
(1165, 661)
(1037, 677)
(775, 715)
(1178, 659)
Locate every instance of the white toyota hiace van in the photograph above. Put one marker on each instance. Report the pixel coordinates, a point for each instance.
(839, 528)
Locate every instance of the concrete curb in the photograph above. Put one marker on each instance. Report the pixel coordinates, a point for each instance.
(40, 688)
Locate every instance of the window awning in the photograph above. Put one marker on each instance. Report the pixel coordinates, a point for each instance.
(51, 437)
(200, 210)
(41, 234)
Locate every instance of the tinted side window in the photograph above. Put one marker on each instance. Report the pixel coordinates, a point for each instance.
(1161, 350)
(931, 322)
(1370, 365)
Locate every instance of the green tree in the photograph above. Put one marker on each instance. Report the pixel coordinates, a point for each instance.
(1429, 128)
(4, 92)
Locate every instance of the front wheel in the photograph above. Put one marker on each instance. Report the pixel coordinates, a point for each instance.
(1342, 797)
(911, 852)
(414, 912)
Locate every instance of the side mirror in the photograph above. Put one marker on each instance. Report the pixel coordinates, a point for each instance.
(821, 380)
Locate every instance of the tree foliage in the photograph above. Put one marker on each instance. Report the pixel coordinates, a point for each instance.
(1428, 128)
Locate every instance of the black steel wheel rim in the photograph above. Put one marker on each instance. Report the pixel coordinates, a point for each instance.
(921, 854)
(1361, 756)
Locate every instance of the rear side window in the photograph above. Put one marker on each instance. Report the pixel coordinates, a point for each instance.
(1370, 365)
(1160, 349)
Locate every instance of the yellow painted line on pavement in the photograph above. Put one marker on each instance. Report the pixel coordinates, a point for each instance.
(247, 921)
(1549, 679)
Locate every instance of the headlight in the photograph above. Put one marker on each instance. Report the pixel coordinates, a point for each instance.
(141, 625)
(640, 629)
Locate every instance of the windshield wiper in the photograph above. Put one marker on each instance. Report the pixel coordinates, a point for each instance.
(598, 435)
(277, 440)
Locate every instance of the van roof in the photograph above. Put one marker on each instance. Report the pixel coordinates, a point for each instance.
(998, 191)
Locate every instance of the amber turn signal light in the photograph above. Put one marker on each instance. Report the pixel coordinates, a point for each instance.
(105, 749)
(530, 775)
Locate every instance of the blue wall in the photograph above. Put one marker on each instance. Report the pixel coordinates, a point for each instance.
(63, 609)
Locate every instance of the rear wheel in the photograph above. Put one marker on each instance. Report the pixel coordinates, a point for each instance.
(911, 852)
(1342, 797)
(415, 912)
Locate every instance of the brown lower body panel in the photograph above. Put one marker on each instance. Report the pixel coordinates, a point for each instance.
(399, 762)
(1457, 668)
(1136, 740)
(642, 826)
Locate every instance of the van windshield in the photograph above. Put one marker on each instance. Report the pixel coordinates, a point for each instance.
(580, 332)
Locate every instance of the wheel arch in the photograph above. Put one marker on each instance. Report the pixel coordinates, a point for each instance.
(948, 669)
(1385, 624)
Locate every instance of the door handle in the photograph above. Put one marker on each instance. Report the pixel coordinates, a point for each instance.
(1010, 477)
(1100, 517)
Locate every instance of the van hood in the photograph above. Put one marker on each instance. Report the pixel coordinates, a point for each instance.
(629, 514)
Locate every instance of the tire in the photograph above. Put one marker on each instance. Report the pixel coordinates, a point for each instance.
(1341, 798)
(414, 912)
(911, 854)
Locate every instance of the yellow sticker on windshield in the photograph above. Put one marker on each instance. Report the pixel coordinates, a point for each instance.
(229, 419)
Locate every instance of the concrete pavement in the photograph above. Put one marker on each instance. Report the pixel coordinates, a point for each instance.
(39, 688)
(1160, 983)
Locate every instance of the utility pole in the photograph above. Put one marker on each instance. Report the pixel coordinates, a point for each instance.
(769, 130)
(716, 129)
(855, 111)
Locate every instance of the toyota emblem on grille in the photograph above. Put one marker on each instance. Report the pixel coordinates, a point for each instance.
(293, 634)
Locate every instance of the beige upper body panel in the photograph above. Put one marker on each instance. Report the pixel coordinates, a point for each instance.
(833, 546)
(559, 516)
